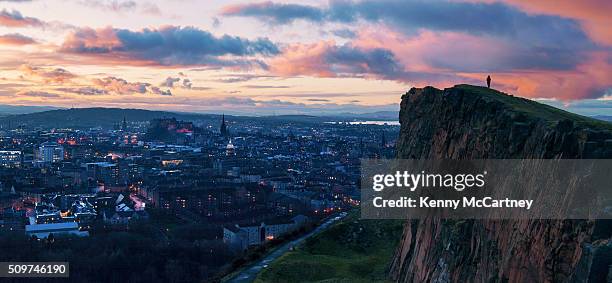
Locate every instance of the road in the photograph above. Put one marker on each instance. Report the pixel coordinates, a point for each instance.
(249, 273)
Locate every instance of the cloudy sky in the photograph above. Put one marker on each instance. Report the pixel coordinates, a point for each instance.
(300, 56)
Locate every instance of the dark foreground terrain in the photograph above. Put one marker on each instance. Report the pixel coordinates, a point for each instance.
(469, 122)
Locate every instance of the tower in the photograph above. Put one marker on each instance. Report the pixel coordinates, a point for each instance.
(223, 129)
(124, 124)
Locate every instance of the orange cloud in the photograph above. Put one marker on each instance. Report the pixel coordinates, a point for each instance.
(121, 86)
(48, 75)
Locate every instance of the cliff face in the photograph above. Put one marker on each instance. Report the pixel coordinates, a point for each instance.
(468, 122)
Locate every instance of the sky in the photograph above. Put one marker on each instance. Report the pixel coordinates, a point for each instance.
(300, 57)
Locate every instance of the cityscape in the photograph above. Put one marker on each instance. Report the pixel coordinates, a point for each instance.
(240, 184)
(234, 141)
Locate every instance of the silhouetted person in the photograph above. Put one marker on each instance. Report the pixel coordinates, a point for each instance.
(489, 81)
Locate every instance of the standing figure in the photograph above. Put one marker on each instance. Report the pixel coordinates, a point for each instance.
(489, 81)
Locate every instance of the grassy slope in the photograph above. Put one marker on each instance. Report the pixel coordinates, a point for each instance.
(350, 251)
(536, 109)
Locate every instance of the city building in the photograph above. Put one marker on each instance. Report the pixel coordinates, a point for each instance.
(241, 237)
(230, 149)
(42, 231)
(106, 173)
(50, 152)
(10, 158)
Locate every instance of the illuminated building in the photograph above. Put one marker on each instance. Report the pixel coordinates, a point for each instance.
(230, 149)
(50, 152)
(10, 158)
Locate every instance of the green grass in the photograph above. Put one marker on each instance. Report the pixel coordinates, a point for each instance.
(351, 251)
(533, 108)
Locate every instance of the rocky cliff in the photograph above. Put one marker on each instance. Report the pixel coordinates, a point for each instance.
(469, 122)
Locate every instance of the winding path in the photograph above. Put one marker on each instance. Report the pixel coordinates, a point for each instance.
(248, 274)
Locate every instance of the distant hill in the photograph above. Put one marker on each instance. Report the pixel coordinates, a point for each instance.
(6, 110)
(603, 118)
(91, 117)
(84, 118)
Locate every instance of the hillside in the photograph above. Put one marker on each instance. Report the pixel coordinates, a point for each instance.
(108, 117)
(469, 122)
(6, 110)
(351, 251)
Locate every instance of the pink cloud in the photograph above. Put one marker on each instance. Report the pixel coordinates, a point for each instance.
(594, 15)
(589, 80)
(472, 58)
(15, 19)
(102, 39)
(303, 59)
(16, 39)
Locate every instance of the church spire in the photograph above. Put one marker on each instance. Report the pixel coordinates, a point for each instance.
(223, 128)
(124, 124)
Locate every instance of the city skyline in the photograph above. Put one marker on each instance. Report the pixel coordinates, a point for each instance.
(309, 57)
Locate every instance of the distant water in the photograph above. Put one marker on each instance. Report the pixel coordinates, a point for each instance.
(382, 123)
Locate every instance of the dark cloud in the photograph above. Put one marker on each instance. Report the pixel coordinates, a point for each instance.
(84, 90)
(15, 19)
(519, 57)
(276, 12)
(588, 107)
(473, 18)
(170, 45)
(351, 60)
(42, 94)
(536, 41)
(169, 82)
(325, 59)
(344, 33)
(187, 83)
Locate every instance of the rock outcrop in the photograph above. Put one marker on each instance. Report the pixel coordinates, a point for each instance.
(469, 122)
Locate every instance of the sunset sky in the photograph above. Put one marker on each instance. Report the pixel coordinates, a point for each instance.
(308, 57)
